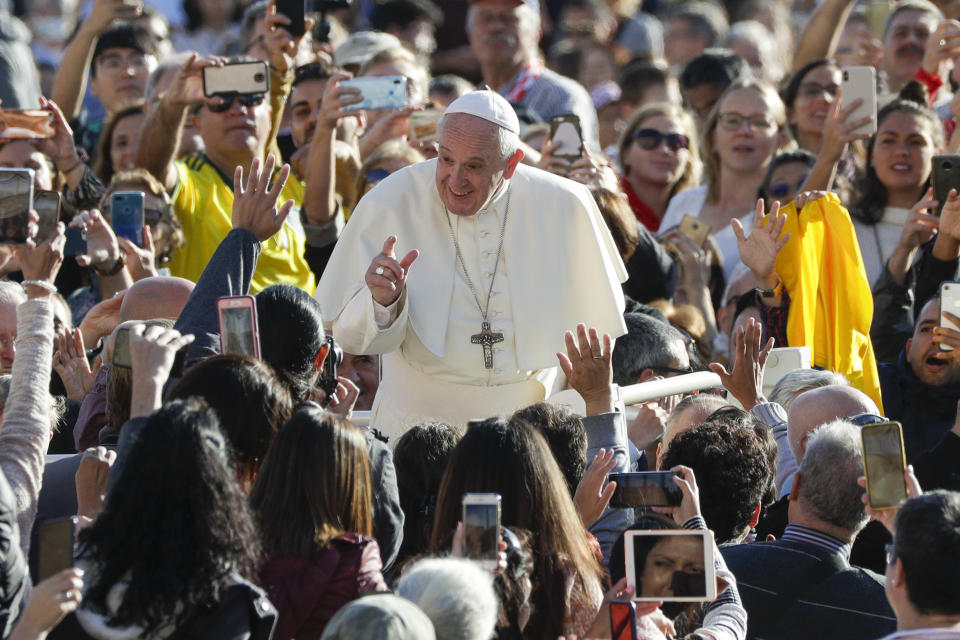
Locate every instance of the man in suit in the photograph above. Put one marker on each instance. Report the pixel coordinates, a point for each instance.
(802, 586)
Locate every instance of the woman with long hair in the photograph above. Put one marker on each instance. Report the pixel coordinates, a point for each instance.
(312, 499)
(175, 547)
(513, 459)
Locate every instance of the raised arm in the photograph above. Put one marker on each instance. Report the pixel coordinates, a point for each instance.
(282, 49)
(70, 81)
(838, 133)
(822, 34)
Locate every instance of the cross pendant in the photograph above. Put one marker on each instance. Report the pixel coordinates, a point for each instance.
(487, 338)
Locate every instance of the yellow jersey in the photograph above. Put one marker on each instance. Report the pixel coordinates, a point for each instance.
(203, 200)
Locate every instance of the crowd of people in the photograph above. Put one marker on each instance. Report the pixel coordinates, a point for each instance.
(572, 198)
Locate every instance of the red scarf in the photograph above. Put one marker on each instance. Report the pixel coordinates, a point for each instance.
(517, 90)
(645, 215)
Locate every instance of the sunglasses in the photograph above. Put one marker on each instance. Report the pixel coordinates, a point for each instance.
(780, 189)
(863, 419)
(375, 176)
(246, 99)
(650, 139)
(733, 121)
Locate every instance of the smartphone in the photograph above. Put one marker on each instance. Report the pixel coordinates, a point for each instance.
(16, 201)
(47, 206)
(56, 540)
(423, 125)
(386, 92)
(76, 244)
(645, 489)
(121, 349)
(782, 361)
(946, 176)
(949, 301)
(670, 565)
(694, 229)
(238, 325)
(884, 461)
(296, 11)
(623, 620)
(481, 521)
(566, 130)
(860, 82)
(25, 124)
(236, 77)
(876, 12)
(126, 215)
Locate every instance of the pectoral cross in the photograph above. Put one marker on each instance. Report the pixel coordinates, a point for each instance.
(487, 338)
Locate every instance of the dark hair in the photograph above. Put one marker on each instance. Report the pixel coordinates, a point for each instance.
(719, 67)
(565, 435)
(291, 334)
(707, 19)
(790, 91)
(104, 165)
(514, 585)
(618, 557)
(420, 459)
(873, 198)
(319, 70)
(648, 344)
(513, 459)
(127, 35)
(314, 485)
(730, 464)
(191, 8)
(800, 156)
(174, 527)
(927, 541)
(247, 397)
(403, 13)
(638, 77)
(619, 217)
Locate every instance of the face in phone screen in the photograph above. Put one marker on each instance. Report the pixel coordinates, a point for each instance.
(646, 490)
(481, 534)
(14, 205)
(237, 327)
(883, 460)
(669, 566)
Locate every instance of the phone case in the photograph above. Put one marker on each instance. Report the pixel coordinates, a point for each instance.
(566, 130)
(16, 200)
(296, 11)
(26, 124)
(695, 229)
(236, 78)
(121, 350)
(489, 502)
(884, 461)
(126, 215)
(386, 92)
(946, 176)
(861, 82)
(56, 542)
(76, 244)
(950, 302)
(238, 325)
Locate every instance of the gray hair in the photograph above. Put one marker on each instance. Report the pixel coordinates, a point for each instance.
(170, 63)
(12, 292)
(457, 595)
(508, 142)
(923, 6)
(828, 475)
(799, 380)
(648, 344)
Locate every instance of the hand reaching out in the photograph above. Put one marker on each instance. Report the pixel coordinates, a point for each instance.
(587, 366)
(921, 225)
(386, 277)
(187, 86)
(690, 503)
(839, 129)
(343, 400)
(140, 261)
(153, 349)
(335, 98)
(70, 363)
(592, 497)
(745, 378)
(949, 221)
(255, 202)
(759, 252)
(888, 517)
(91, 480)
(103, 249)
(50, 601)
(280, 45)
(60, 148)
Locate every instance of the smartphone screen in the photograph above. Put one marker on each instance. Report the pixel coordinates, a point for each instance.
(565, 130)
(883, 464)
(47, 206)
(645, 489)
(386, 92)
(126, 215)
(56, 539)
(668, 565)
(121, 349)
(295, 10)
(16, 200)
(949, 302)
(481, 519)
(238, 326)
(695, 229)
(76, 244)
(623, 620)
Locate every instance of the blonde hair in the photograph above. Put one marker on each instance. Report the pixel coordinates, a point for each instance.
(711, 158)
(691, 173)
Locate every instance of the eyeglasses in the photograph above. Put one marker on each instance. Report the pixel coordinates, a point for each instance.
(811, 90)
(246, 99)
(863, 419)
(650, 139)
(673, 370)
(890, 551)
(733, 121)
(122, 63)
(780, 189)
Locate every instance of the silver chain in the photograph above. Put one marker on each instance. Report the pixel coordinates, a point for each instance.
(496, 265)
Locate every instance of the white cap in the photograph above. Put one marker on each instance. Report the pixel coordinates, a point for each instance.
(364, 45)
(490, 106)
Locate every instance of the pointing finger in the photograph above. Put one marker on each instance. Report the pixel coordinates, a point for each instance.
(409, 259)
(388, 246)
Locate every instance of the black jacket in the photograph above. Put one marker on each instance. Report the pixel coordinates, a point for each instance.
(14, 579)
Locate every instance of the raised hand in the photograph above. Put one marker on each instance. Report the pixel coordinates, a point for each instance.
(71, 364)
(690, 503)
(343, 400)
(255, 201)
(60, 148)
(41, 262)
(101, 320)
(587, 366)
(50, 601)
(888, 517)
(140, 261)
(592, 497)
(103, 249)
(759, 252)
(387, 277)
(949, 221)
(839, 129)
(745, 379)
(104, 13)
(591, 171)
(921, 225)
(943, 47)
(187, 86)
(91, 480)
(280, 45)
(335, 98)
(153, 349)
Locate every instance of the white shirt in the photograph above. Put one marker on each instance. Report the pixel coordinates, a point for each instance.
(877, 241)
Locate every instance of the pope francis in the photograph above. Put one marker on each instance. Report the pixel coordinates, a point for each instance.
(498, 260)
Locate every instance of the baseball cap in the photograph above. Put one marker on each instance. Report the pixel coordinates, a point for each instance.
(362, 46)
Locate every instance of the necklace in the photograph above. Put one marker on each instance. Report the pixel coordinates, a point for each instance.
(486, 338)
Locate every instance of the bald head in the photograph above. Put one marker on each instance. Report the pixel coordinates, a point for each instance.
(157, 297)
(691, 412)
(820, 406)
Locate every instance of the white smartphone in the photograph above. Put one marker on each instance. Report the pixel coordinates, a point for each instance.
(860, 82)
(481, 521)
(950, 302)
(237, 77)
(238, 325)
(383, 92)
(782, 361)
(670, 565)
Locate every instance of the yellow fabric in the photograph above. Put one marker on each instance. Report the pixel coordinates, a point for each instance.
(203, 200)
(831, 305)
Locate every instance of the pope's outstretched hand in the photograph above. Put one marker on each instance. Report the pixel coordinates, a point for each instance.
(387, 277)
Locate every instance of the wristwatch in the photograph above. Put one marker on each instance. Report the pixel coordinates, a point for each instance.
(770, 293)
(114, 270)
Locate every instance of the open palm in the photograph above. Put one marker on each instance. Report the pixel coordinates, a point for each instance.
(759, 251)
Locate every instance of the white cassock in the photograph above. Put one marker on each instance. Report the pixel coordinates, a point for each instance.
(558, 267)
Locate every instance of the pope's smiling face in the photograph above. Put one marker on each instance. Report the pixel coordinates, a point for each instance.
(470, 164)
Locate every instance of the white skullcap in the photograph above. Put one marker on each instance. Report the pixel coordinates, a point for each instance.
(490, 106)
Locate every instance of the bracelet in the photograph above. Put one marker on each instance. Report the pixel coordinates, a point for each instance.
(46, 286)
(770, 293)
(113, 270)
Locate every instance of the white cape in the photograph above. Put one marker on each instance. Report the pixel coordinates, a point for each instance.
(563, 267)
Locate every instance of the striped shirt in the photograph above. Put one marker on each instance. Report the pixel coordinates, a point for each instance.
(806, 535)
